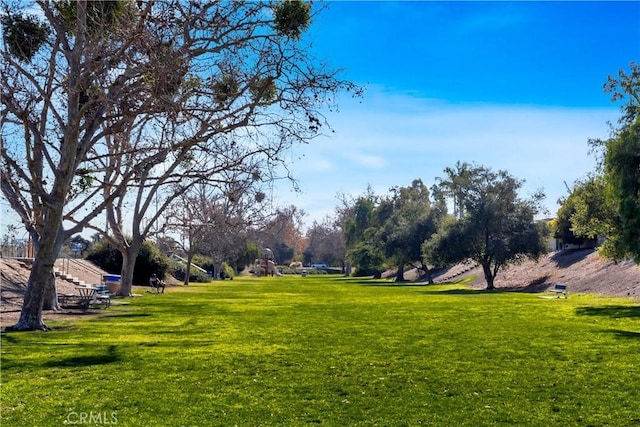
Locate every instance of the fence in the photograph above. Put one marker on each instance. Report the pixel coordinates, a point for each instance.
(18, 248)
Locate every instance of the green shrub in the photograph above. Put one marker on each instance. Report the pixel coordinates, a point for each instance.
(283, 269)
(195, 275)
(150, 260)
(204, 262)
(227, 271)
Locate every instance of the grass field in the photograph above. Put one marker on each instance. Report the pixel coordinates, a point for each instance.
(331, 351)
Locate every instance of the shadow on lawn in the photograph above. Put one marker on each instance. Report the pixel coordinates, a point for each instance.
(391, 284)
(364, 281)
(613, 311)
(128, 315)
(626, 334)
(110, 356)
(462, 292)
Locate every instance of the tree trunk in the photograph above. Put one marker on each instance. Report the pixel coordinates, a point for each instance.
(46, 252)
(488, 276)
(400, 273)
(128, 264)
(428, 273)
(347, 268)
(31, 314)
(51, 295)
(187, 273)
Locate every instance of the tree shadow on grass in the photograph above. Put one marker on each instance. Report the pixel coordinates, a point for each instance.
(110, 356)
(394, 284)
(361, 280)
(626, 334)
(463, 292)
(4, 336)
(364, 281)
(128, 315)
(613, 311)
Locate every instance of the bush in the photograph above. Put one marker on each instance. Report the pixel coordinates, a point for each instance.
(202, 261)
(283, 269)
(195, 275)
(227, 271)
(149, 260)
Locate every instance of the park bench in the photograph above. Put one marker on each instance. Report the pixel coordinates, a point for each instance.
(560, 289)
(103, 296)
(157, 284)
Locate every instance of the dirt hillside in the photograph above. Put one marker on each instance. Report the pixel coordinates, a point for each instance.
(14, 274)
(582, 270)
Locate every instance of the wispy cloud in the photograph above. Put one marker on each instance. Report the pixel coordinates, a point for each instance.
(366, 160)
(393, 139)
(320, 163)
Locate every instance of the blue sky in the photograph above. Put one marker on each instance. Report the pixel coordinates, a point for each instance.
(509, 85)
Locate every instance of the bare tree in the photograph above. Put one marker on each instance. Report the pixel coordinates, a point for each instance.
(325, 242)
(282, 233)
(212, 219)
(101, 97)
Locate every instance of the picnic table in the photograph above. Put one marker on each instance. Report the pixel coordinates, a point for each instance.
(86, 296)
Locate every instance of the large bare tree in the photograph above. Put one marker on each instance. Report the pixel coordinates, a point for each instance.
(101, 97)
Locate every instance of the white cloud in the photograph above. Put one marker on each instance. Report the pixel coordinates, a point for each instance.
(388, 140)
(366, 160)
(320, 163)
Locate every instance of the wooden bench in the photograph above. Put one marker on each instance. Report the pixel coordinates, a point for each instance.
(560, 289)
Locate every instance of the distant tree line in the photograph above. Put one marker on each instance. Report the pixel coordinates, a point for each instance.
(491, 225)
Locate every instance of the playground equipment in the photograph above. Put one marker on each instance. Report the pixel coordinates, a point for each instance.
(266, 265)
(197, 267)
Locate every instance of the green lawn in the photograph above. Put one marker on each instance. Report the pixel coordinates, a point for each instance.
(332, 351)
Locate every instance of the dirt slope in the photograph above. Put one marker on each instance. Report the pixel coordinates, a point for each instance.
(14, 274)
(582, 270)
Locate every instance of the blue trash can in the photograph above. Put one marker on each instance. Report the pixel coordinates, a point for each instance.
(112, 282)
